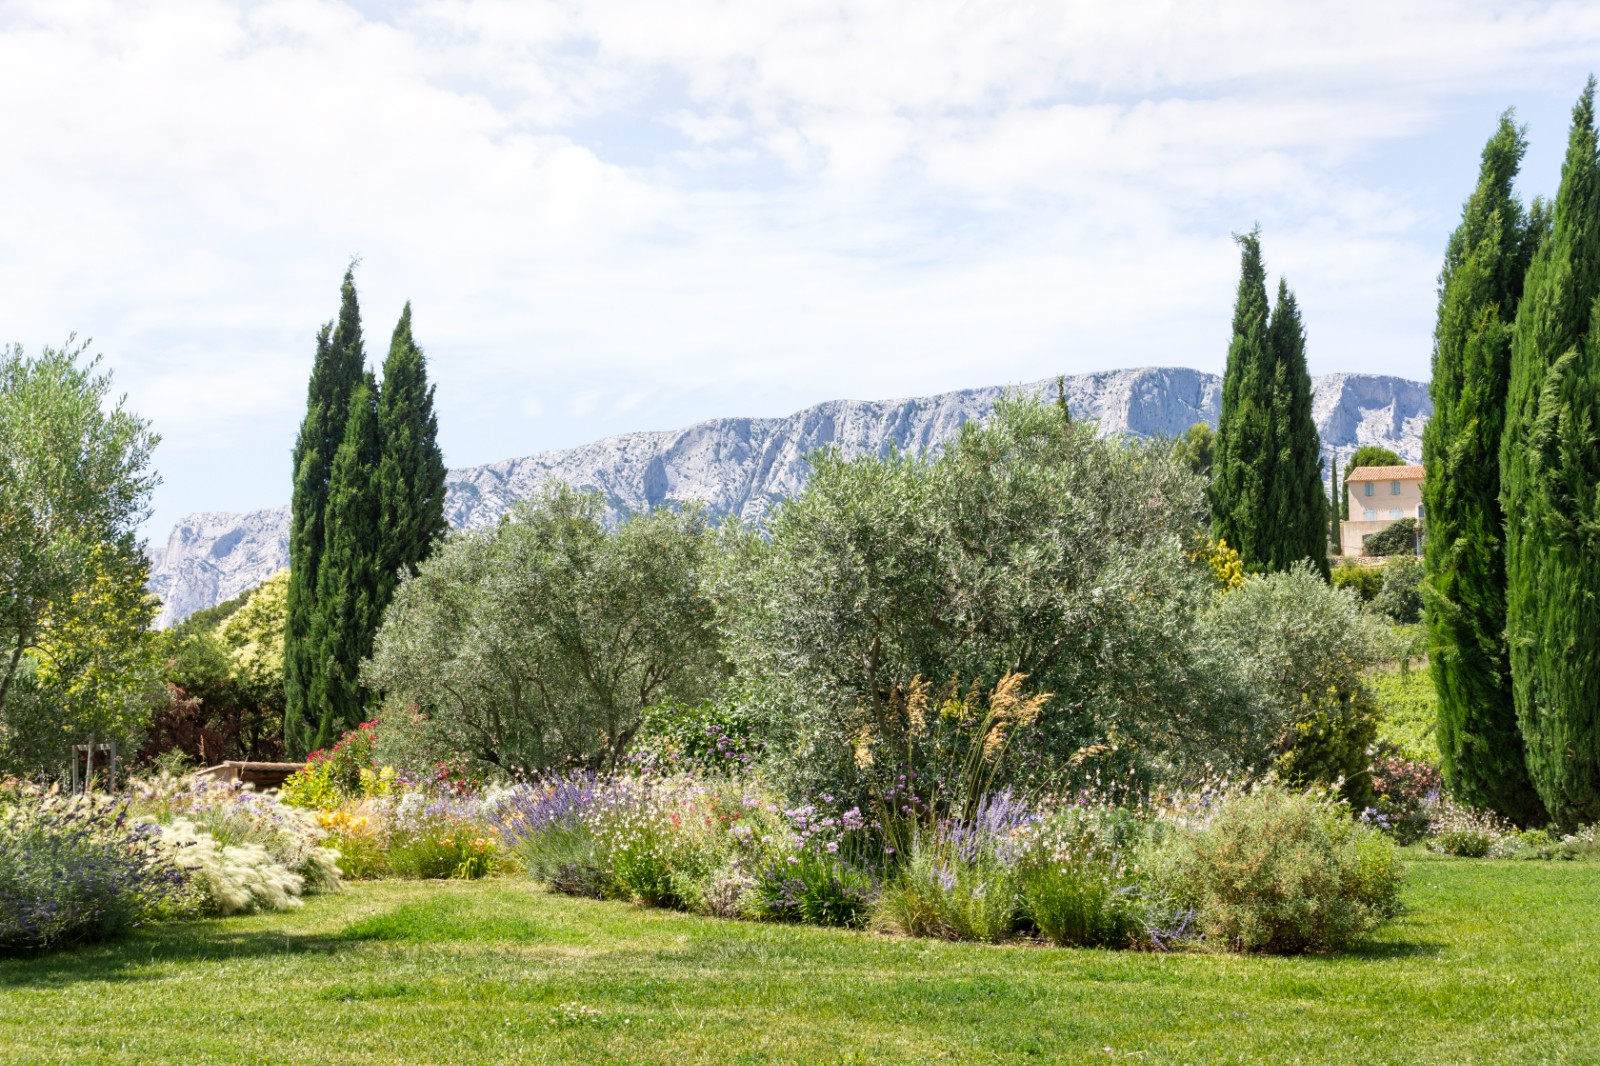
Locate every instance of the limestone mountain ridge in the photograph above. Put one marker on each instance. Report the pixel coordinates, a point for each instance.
(746, 466)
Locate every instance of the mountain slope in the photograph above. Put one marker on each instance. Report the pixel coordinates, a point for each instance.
(745, 466)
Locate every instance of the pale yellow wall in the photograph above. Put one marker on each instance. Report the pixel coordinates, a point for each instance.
(1383, 501)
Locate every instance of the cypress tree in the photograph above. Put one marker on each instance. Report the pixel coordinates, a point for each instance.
(1266, 490)
(1549, 469)
(1245, 448)
(1480, 286)
(348, 611)
(1335, 542)
(335, 374)
(1298, 531)
(410, 474)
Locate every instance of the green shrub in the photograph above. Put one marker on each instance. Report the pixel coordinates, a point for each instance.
(1401, 598)
(705, 739)
(1365, 581)
(1330, 744)
(1298, 650)
(1285, 872)
(1408, 712)
(332, 776)
(1397, 538)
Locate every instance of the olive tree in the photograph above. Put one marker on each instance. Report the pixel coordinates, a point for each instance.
(75, 485)
(539, 643)
(1298, 649)
(1031, 546)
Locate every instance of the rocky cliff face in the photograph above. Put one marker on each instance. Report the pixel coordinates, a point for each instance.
(214, 556)
(745, 466)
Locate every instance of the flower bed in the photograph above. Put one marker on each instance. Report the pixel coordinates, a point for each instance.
(1079, 872)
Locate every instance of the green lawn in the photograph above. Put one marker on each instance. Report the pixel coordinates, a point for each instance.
(1497, 962)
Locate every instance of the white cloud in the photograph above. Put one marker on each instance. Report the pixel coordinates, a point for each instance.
(627, 213)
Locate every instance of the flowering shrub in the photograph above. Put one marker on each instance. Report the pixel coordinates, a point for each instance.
(358, 835)
(334, 774)
(812, 886)
(547, 825)
(1284, 872)
(1403, 792)
(1081, 883)
(433, 836)
(1469, 834)
(77, 869)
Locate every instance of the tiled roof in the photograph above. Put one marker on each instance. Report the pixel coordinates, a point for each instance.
(1386, 473)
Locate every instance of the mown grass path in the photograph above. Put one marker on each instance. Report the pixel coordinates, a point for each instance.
(1497, 962)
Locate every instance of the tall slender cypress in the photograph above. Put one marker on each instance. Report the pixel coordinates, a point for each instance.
(1335, 542)
(1266, 490)
(1301, 511)
(348, 610)
(1245, 452)
(410, 474)
(335, 374)
(1549, 470)
(1480, 746)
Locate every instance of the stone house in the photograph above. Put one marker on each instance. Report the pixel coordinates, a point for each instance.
(1379, 496)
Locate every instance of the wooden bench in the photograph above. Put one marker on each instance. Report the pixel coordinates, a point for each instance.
(260, 775)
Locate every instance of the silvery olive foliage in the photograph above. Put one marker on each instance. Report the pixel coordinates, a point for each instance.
(1031, 545)
(538, 644)
(1297, 649)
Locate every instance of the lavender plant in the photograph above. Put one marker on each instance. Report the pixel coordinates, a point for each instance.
(77, 870)
(960, 880)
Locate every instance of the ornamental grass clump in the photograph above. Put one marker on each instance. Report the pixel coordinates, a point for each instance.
(1282, 872)
(239, 823)
(227, 879)
(78, 869)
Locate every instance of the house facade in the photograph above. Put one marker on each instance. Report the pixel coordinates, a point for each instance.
(1378, 497)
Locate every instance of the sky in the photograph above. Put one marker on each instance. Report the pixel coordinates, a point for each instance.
(629, 215)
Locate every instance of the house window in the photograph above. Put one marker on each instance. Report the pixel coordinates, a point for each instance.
(1396, 512)
(1419, 510)
(1394, 488)
(1368, 491)
(1369, 515)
